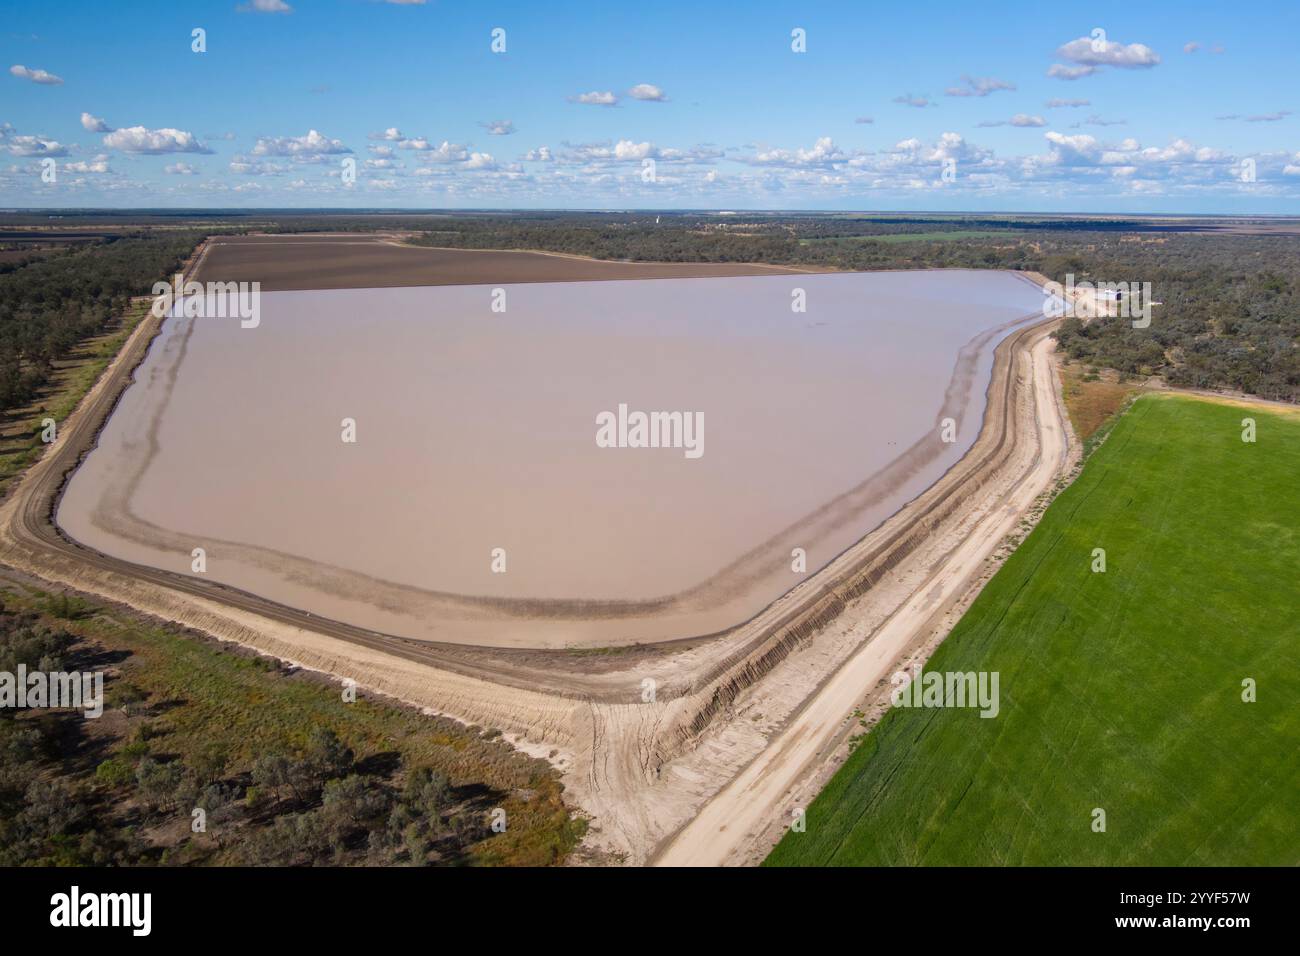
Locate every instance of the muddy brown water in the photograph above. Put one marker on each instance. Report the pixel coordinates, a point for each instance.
(476, 430)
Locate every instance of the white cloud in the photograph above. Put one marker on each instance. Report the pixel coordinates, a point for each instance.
(138, 139)
(907, 99)
(865, 119)
(694, 155)
(1191, 46)
(595, 98)
(1081, 149)
(624, 151)
(36, 76)
(1181, 160)
(30, 145)
(312, 148)
(1095, 120)
(264, 6)
(1258, 117)
(1020, 119)
(1102, 52)
(499, 127)
(979, 86)
(824, 152)
(647, 91)
(1062, 72)
(776, 175)
(445, 152)
(94, 124)
(247, 166)
(97, 165)
(480, 161)
(603, 159)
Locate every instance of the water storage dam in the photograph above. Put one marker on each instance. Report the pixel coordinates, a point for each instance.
(476, 505)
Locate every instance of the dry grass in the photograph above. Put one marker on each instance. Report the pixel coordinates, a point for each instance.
(1092, 397)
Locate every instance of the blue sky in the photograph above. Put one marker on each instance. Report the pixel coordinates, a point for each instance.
(661, 105)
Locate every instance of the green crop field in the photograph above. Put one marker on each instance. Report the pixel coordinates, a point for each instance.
(1120, 691)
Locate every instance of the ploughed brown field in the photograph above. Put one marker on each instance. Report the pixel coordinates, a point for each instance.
(479, 430)
(364, 261)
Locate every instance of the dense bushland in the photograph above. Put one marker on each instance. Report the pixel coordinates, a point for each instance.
(48, 304)
(284, 770)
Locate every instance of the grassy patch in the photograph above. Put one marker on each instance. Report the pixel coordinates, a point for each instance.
(1119, 690)
(1092, 398)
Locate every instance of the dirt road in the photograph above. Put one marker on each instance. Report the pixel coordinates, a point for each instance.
(758, 794)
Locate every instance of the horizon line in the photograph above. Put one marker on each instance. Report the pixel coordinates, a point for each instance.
(628, 210)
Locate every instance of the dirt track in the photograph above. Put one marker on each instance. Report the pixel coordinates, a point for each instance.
(641, 768)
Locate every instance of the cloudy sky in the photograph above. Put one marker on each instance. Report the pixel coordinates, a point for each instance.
(1096, 107)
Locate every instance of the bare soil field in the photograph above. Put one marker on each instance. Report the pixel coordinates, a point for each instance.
(367, 261)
